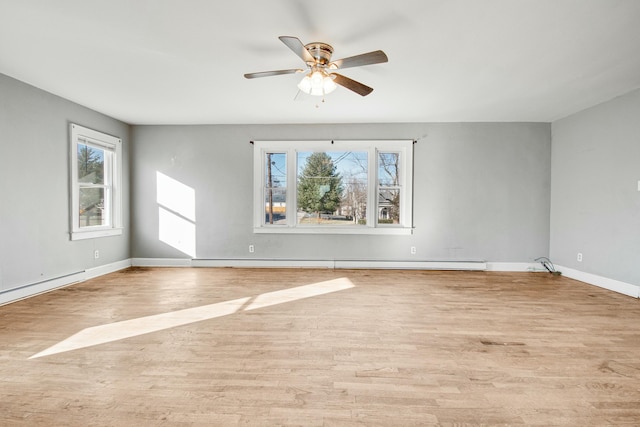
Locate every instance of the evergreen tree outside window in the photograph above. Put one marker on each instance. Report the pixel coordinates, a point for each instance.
(320, 186)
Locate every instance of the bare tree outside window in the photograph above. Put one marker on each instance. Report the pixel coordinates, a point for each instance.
(388, 188)
(92, 188)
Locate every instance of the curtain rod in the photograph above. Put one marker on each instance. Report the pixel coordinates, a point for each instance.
(415, 141)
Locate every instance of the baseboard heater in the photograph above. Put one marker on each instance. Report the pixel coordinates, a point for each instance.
(23, 291)
(342, 264)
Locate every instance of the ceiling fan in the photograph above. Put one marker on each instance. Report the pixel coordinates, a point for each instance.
(320, 76)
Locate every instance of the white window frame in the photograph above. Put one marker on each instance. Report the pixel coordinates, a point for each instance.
(372, 147)
(113, 178)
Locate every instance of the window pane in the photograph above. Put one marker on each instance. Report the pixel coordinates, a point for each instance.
(92, 212)
(388, 170)
(275, 206)
(90, 164)
(276, 170)
(275, 182)
(332, 187)
(354, 197)
(389, 206)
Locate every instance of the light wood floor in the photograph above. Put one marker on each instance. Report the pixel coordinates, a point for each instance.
(397, 348)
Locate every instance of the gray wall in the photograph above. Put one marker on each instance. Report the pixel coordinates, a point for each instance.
(498, 192)
(34, 187)
(595, 202)
(481, 191)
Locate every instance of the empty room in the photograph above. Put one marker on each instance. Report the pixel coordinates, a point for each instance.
(297, 213)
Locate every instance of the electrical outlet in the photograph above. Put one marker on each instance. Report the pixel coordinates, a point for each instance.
(579, 256)
(96, 254)
(252, 249)
(413, 250)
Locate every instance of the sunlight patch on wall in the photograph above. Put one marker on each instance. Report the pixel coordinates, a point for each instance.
(144, 325)
(176, 214)
(177, 232)
(176, 196)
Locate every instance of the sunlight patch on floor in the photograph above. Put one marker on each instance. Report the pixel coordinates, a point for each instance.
(293, 294)
(143, 325)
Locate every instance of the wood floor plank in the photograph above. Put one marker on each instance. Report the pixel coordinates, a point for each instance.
(384, 348)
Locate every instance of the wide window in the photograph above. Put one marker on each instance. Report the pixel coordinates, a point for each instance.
(352, 187)
(95, 184)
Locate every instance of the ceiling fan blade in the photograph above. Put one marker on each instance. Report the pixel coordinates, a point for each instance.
(297, 47)
(375, 57)
(353, 85)
(271, 73)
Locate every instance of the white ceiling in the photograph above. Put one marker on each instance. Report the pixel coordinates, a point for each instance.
(182, 61)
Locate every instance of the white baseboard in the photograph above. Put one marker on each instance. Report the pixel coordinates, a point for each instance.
(341, 264)
(12, 295)
(413, 265)
(600, 281)
(335, 264)
(106, 269)
(262, 263)
(161, 262)
(514, 266)
(25, 291)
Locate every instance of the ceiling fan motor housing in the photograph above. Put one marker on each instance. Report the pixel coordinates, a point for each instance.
(320, 51)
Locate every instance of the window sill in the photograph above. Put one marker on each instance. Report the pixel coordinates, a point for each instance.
(334, 230)
(92, 234)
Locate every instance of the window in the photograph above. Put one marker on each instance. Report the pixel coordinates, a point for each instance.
(95, 184)
(351, 187)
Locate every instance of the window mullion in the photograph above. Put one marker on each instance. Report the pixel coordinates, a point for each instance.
(91, 185)
(372, 180)
(292, 187)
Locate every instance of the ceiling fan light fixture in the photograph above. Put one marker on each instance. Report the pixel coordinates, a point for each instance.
(317, 83)
(320, 78)
(305, 84)
(328, 85)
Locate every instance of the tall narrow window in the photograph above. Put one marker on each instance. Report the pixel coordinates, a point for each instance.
(275, 188)
(95, 184)
(351, 187)
(389, 188)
